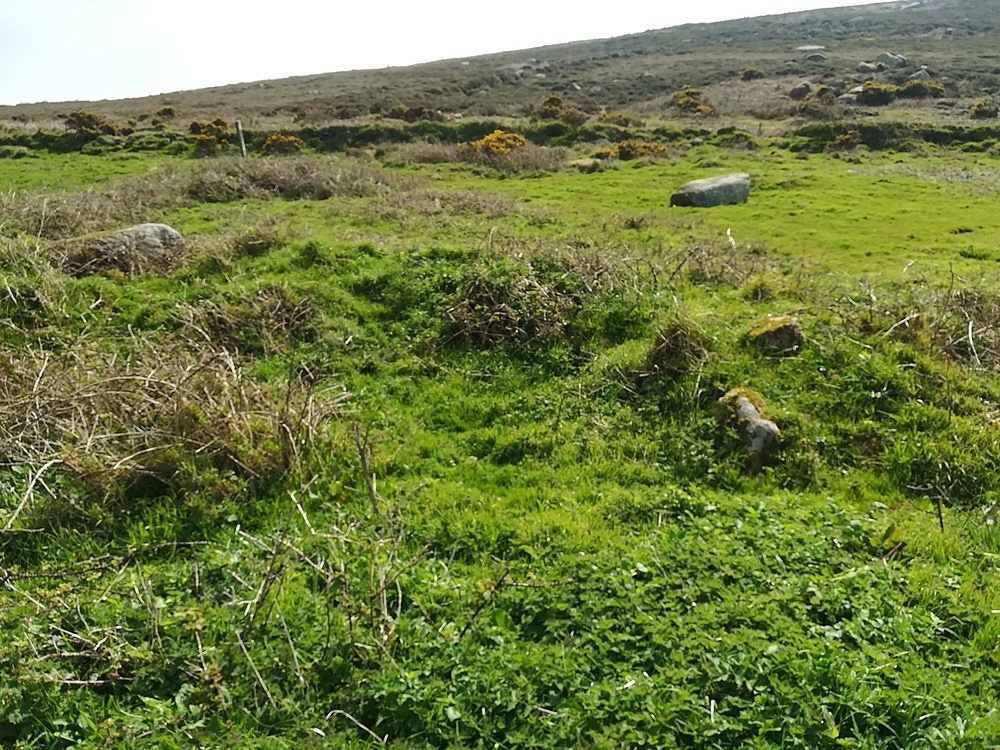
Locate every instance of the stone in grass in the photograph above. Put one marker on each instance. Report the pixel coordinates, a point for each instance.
(893, 61)
(713, 191)
(139, 249)
(798, 93)
(777, 334)
(742, 409)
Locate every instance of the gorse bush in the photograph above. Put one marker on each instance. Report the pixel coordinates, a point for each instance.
(282, 145)
(217, 127)
(877, 94)
(206, 146)
(920, 89)
(984, 110)
(845, 141)
(752, 74)
(691, 100)
(635, 149)
(497, 143)
(511, 152)
(81, 121)
(553, 107)
(412, 114)
(621, 119)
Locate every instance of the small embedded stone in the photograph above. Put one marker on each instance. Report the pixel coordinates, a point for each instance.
(778, 334)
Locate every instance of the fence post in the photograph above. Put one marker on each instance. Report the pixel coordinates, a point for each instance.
(243, 144)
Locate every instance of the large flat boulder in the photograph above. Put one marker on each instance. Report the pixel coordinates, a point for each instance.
(893, 60)
(713, 191)
(143, 248)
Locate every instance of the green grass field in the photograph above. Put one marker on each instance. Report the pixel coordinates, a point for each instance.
(427, 455)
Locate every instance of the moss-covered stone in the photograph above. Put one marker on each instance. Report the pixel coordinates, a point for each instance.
(777, 334)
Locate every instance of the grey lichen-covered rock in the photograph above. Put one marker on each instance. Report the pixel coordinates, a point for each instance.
(143, 248)
(816, 57)
(713, 191)
(866, 67)
(893, 61)
(777, 334)
(742, 409)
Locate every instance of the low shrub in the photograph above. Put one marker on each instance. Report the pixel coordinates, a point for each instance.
(175, 417)
(498, 142)
(291, 178)
(920, 89)
(206, 146)
(217, 127)
(621, 119)
(845, 141)
(691, 100)
(412, 114)
(984, 110)
(511, 152)
(80, 121)
(680, 344)
(820, 104)
(282, 145)
(554, 108)
(874, 94)
(752, 74)
(635, 149)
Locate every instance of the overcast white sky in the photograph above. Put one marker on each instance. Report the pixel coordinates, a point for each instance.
(62, 50)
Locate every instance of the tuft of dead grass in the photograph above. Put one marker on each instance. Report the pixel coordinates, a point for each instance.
(169, 415)
(261, 322)
(288, 178)
(56, 216)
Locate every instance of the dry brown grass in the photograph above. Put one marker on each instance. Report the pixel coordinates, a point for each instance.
(260, 322)
(398, 205)
(33, 295)
(169, 415)
(55, 216)
(288, 178)
(530, 158)
(526, 158)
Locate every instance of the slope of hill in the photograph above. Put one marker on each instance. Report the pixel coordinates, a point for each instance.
(437, 436)
(955, 38)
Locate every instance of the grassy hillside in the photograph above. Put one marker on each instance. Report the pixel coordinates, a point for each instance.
(426, 438)
(429, 453)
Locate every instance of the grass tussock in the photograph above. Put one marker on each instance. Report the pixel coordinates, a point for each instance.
(260, 322)
(530, 158)
(398, 205)
(155, 416)
(516, 157)
(287, 178)
(34, 295)
(56, 215)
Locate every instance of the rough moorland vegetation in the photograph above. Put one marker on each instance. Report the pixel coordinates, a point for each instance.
(451, 432)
